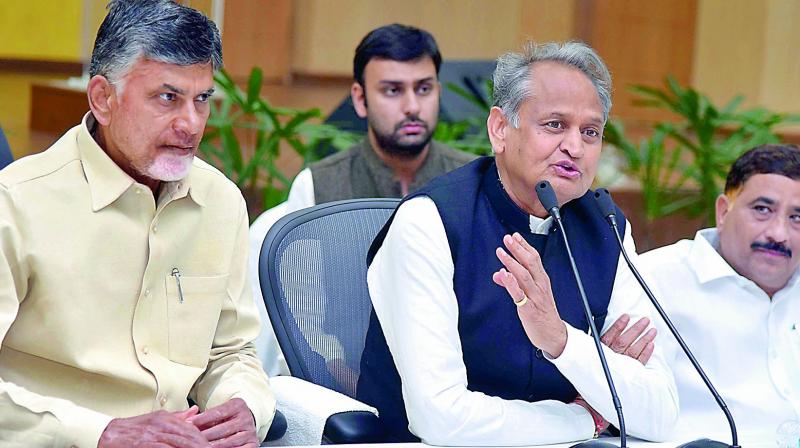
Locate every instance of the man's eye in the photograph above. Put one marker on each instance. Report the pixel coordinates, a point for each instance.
(592, 132)
(424, 89)
(391, 91)
(761, 209)
(554, 124)
(203, 97)
(167, 96)
(795, 219)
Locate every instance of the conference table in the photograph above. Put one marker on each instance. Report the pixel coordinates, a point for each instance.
(752, 440)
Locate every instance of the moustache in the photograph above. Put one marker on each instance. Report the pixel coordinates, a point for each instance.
(411, 120)
(772, 246)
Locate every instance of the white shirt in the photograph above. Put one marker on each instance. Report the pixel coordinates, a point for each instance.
(411, 286)
(748, 345)
(301, 193)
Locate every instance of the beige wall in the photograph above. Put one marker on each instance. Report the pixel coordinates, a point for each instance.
(751, 48)
(327, 32)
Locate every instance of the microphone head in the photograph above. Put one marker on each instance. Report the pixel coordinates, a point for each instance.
(547, 196)
(604, 201)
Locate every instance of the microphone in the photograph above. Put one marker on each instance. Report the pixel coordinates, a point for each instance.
(547, 197)
(608, 209)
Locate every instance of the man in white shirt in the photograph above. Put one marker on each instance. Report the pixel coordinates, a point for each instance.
(734, 294)
(482, 364)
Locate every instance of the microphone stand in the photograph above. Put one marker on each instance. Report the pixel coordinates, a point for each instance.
(547, 197)
(608, 210)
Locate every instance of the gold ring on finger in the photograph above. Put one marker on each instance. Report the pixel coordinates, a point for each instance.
(522, 301)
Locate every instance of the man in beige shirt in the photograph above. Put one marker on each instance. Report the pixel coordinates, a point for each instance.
(123, 260)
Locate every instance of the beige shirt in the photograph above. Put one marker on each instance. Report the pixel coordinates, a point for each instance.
(92, 322)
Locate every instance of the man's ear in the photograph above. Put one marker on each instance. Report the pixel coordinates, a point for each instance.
(100, 93)
(497, 126)
(723, 206)
(359, 97)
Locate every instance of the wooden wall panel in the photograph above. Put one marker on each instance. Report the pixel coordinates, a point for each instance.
(640, 44)
(729, 49)
(326, 33)
(780, 79)
(258, 33)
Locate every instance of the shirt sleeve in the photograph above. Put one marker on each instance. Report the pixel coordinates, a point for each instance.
(301, 193)
(29, 417)
(647, 393)
(234, 370)
(411, 286)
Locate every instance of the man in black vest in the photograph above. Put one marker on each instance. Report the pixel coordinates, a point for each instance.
(455, 359)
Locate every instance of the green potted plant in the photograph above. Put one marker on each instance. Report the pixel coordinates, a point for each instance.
(682, 166)
(240, 117)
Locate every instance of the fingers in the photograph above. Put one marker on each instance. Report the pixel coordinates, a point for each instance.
(184, 415)
(505, 279)
(634, 341)
(212, 416)
(615, 330)
(230, 424)
(184, 440)
(237, 440)
(526, 255)
(643, 348)
(526, 268)
(624, 341)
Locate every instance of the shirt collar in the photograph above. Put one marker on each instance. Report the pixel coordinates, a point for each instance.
(705, 259)
(108, 182)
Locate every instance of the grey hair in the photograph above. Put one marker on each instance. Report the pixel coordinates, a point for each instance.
(158, 30)
(512, 77)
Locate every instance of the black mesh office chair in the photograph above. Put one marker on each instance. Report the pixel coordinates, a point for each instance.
(313, 276)
(5, 151)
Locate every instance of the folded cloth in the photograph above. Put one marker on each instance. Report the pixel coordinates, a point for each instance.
(307, 407)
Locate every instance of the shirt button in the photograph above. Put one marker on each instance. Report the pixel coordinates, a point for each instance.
(145, 350)
(163, 400)
(138, 191)
(147, 293)
(155, 229)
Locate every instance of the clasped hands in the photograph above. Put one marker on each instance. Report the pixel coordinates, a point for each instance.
(229, 425)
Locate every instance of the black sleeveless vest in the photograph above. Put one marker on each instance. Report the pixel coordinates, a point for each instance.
(499, 358)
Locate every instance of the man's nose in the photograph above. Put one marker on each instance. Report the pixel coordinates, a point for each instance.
(572, 143)
(190, 120)
(411, 103)
(778, 229)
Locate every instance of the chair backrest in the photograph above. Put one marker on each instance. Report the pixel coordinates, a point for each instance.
(5, 151)
(313, 276)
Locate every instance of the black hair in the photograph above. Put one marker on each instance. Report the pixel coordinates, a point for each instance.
(764, 159)
(397, 43)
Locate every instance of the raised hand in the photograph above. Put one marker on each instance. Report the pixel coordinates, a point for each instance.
(528, 285)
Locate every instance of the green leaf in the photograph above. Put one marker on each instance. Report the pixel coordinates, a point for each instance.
(254, 88)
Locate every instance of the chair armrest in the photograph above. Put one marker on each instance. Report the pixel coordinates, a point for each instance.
(354, 427)
(278, 427)
(307, 407)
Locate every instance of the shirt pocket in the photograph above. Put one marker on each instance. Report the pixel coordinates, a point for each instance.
(192, 319)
